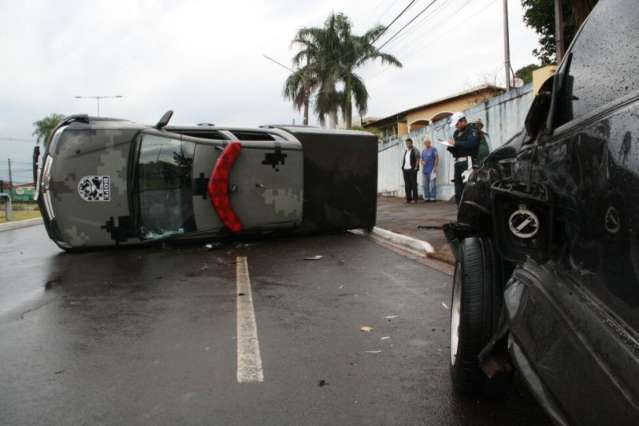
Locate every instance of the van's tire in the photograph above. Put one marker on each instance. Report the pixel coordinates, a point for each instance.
(475, 307)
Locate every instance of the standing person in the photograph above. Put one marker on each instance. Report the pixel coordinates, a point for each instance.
(484, 148)
(430, 163)
(465, 145)
(410, 166)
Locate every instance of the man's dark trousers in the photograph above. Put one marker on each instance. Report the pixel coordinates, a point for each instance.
(410, 184)
(460, 167)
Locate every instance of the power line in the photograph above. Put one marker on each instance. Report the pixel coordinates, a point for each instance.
(378, 7)
(392, 22)
(278, 63)
(12, 139)
(456, 14)
(432, 35)
(420, 24)
(339, 58)
(407, 24)
(388, 9)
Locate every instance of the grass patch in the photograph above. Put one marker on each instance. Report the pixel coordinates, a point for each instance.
(20, 215)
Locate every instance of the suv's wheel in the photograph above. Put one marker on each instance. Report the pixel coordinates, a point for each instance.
(475, 307)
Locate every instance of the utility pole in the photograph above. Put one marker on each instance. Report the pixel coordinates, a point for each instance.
(559, 30)
(507, 47)
(97, 98)
(10, 175)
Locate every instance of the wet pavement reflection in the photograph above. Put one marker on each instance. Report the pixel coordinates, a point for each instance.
(147, 336)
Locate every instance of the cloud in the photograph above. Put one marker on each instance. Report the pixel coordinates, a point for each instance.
(204, 58)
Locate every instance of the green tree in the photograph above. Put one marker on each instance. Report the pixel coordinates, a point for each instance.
(540, 15)
(359, 50)
(327, 60)
(44, 127)
(298, 88)
(525, 73)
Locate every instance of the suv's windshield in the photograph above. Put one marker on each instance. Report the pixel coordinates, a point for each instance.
(164, 186)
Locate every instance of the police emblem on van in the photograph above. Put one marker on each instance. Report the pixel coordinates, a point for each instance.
(95, 188)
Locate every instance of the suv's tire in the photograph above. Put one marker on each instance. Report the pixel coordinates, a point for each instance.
(475, 308)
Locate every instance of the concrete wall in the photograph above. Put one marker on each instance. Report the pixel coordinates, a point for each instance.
(457, 104)
(503, 117)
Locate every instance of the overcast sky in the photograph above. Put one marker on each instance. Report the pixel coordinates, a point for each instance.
(203, 59)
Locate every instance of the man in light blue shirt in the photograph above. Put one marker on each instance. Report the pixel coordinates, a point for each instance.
(430, 161)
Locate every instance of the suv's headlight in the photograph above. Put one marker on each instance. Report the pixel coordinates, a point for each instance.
(45, 179)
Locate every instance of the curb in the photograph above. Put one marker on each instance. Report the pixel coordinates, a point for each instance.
(411, 245)
(419, 250)
(8, 226)
(420, 247)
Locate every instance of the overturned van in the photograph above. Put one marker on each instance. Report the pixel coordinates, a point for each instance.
(105, 182)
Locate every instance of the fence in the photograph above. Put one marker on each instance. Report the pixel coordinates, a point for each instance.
(503, 117)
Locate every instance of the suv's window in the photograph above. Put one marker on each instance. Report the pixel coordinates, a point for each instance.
(604, 62)
(252, 136)
(164, 186)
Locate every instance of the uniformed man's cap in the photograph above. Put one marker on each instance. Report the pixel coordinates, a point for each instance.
(455, 118)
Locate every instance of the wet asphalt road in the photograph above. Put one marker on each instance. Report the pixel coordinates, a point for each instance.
(148, 336)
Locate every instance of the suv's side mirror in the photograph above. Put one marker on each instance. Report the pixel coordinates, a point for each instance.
(164, 120)
(537, 116)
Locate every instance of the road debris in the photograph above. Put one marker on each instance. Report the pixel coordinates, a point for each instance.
(366, 329)
(445, 306)
(429, 227)
(322, 383)
(373, 352)
(239, 245)
(389, 318)
(51, 283)
(384, 338)
(316, 257)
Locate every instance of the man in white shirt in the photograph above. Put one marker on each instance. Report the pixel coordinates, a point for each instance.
(410, 167)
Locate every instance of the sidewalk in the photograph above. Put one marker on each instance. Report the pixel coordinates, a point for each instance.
(395, 215)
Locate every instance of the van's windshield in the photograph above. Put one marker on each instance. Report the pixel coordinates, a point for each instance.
(164, 186)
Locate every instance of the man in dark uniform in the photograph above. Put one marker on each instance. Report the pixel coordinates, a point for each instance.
(465, 145)
(410, 166)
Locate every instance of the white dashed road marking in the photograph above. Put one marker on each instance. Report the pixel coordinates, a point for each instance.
(249, 361)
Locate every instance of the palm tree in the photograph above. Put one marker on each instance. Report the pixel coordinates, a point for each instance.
(358, 51)
(319, 50)
(330, 55)
(45, 126)
(298, 88)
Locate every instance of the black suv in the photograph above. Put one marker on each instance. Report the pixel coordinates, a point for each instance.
(547, 239)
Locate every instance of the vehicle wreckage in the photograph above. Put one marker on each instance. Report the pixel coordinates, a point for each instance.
(109, 182)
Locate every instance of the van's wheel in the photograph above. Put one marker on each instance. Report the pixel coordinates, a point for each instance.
(474, 315)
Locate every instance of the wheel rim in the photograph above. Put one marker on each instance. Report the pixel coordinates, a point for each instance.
(455, 314)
